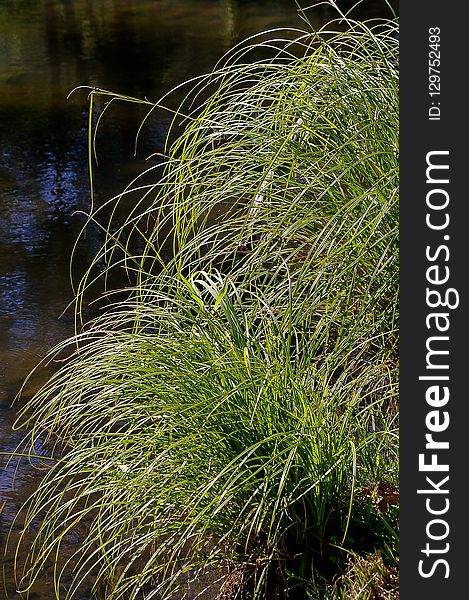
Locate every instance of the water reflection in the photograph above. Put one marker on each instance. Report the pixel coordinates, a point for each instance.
(47, 47)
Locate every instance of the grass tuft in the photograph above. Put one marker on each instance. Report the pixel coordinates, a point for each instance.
(230, 428)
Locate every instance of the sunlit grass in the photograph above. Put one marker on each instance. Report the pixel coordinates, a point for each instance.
(237, 415)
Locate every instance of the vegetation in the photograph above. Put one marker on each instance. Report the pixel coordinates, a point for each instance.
(228, 429)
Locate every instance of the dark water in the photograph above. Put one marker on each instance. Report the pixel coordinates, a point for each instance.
(47, 47)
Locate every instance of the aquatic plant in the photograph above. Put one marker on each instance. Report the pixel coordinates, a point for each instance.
(230, 427)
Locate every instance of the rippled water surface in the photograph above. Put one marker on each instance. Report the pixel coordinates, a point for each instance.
(47, 48)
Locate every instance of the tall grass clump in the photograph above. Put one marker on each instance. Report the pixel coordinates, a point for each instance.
(229, 430)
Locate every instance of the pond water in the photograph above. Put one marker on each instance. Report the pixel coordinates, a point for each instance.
(48, 47)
